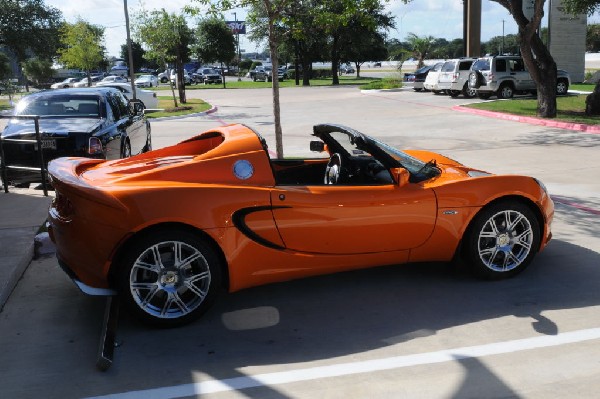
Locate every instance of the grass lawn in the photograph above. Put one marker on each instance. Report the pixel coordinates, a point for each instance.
(166, 102)
(569, 108)
(4, 105)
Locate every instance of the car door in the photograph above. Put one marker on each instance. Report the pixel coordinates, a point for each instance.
(131, 126)
(523, 78)
(341, 219)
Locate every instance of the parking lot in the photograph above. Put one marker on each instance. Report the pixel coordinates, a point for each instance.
(415, 331)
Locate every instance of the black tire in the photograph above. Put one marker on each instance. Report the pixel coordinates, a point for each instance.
(502, 240)
(163, 80)
(484, 96)
(417, 89)
(158, 291)
(562, 87)
(454, 93)
(126, 149)
(506, 91)
(148, 146)
(469, 92)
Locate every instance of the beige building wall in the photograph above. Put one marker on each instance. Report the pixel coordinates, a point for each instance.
(567, 40)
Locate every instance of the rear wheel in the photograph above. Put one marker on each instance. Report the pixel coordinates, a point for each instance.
(506, 91)
(454, 93)
(169, 278)
(562, 87)
(126, 149)
(469, 92)
(502, 240)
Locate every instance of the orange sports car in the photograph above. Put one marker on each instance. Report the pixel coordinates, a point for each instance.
(168, 229)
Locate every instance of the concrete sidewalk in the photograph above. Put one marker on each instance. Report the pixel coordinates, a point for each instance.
(22, 212)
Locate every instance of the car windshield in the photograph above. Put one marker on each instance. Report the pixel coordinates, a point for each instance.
(422, 69)
(60, 106)
(418, 169)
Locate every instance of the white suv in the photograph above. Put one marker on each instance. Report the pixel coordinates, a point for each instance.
(505, 75)
(454, 77)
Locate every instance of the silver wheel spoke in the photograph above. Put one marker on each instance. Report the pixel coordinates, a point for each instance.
(190, 284)
(147, 266)
(512, 236)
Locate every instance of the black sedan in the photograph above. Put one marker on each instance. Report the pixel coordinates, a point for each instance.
(96, 122)
(417, 78)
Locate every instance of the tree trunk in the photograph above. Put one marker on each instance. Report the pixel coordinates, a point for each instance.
(592, 102)
(335, 60)
(179, 80)
(537, 58)
(275, 86)
(357, 69)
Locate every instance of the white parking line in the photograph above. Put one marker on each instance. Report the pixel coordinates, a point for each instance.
(344, 369)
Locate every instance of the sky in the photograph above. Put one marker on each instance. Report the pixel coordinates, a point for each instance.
(437, 18)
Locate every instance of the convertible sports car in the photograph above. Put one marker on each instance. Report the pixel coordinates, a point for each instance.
(169, 228)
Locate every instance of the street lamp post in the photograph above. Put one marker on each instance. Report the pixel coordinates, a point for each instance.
(129, 51)
(502, 37)
(237, 42)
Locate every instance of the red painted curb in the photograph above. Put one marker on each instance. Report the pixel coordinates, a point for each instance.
(580, 127)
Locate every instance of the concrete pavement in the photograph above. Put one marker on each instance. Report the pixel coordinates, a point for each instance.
(22, 212)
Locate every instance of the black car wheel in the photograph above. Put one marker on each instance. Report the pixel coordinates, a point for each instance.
(126, 149)
(484, 96)
(506, 91)
(163, 80)
(469, 92)
(562, 87)
(169, 278)
(502, 240)
(454, 93)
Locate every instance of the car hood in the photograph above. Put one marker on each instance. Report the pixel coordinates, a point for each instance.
(52, 126)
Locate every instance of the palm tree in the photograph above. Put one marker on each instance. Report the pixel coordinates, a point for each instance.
(420, 46)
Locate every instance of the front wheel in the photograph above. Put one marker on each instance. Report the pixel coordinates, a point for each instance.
(169, 278)
(469, 92)
(502, 240)
(562, 87)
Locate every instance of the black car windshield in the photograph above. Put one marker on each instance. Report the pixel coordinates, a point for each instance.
(418, 169)
(60, 106)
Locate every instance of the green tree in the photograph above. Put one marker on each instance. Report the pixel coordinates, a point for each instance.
(38, 70)
(29, 27)
(138, 54)
(361, 44)
(592, 42)
(167, 38)
(214, 42)
(420, 47)
(82, 46)
(5, 71)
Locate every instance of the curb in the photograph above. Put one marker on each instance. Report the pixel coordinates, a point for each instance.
(170, 118)
(579, 127)
(21, 261)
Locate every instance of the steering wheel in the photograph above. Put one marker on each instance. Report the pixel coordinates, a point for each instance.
(334, 169)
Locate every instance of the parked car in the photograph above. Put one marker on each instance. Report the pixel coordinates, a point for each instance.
(252, 73)
(187, 79)
(146, 81)
(96, 122)
(505, 76)
(147, 97)
(266, 74)
(417, 78)
(454, 77)
(181, 223)
(164, 76)
(84, 82)
(115, 79)
(120, 70)
(431, 81)
(68, 82)
(208, 76)
(347, 69)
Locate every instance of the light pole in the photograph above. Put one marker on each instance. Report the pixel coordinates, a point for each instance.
(129, 51)
(237, 42)
(502, 52)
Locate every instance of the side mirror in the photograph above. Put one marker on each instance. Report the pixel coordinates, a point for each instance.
(400, 176)
(137, 107)
(317, 146)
